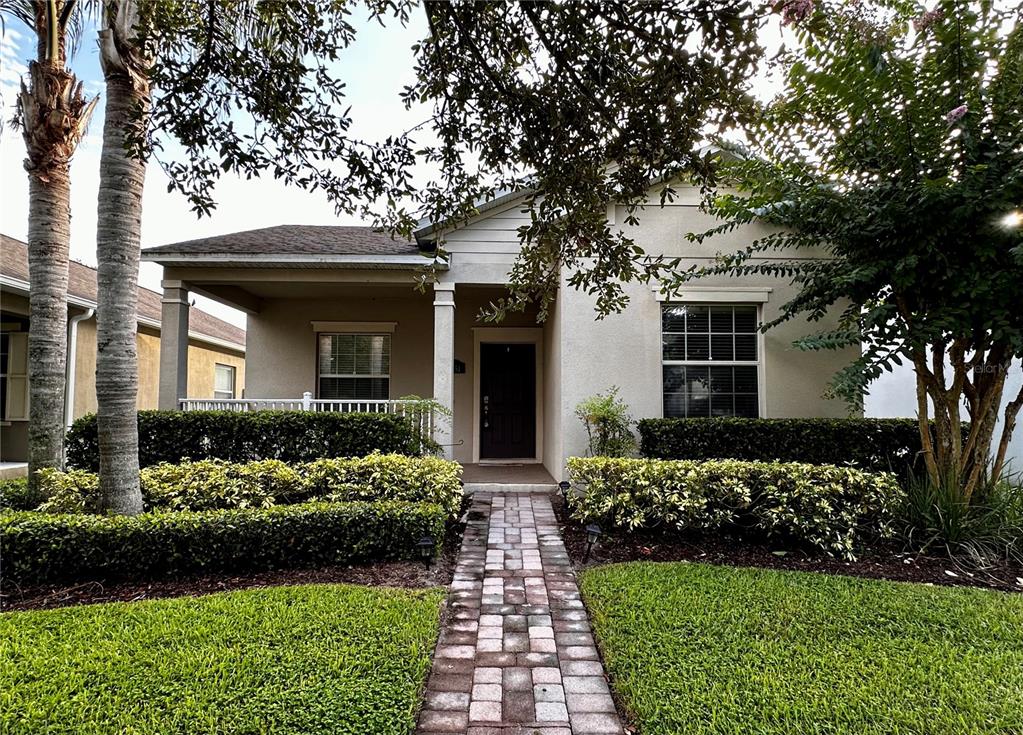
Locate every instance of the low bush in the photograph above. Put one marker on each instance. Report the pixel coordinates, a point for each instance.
(214, 484)
(289, 436)
(869, 444)
(17, 495)
(608, 425)
(41, 548)
(824, 506)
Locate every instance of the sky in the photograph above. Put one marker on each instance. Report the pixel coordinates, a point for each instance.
(376, 67)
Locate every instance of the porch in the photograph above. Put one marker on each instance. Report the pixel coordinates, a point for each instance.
(359, 340)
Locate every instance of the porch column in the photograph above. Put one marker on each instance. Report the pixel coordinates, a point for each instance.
(444, 360)
(173, 345)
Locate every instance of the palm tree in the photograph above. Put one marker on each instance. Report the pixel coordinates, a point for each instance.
(118, 225)
(53, 113)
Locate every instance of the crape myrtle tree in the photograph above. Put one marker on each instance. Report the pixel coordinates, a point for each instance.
(53, 113)
(555, 91)
(897, 149)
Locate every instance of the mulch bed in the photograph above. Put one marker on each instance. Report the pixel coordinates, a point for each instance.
(890, 562)
(407, 574)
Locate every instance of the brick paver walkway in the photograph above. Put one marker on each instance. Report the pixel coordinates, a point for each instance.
(516, 656)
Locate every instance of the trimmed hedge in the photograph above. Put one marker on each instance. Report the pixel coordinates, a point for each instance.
(40, 548)
(821, 505)
(870, 444)
(214, 484)
(290, 436)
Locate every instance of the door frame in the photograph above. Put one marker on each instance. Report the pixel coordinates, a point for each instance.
(507, 335)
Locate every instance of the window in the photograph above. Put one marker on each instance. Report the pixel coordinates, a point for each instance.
(223, 381)
(710, 361)
(5, 354)
(354, 366)
(14, 376)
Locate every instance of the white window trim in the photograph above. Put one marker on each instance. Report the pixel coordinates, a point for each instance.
(721, 295)
(320, 375)
(759, 362)
(354, 327)
(234, 380)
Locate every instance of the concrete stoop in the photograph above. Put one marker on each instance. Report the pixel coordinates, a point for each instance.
(505, 488)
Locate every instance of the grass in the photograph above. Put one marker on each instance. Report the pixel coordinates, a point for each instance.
(304, 659)
(698, 649)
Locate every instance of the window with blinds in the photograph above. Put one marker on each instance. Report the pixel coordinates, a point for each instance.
(354, 366)
(710, 361)
(223, 381)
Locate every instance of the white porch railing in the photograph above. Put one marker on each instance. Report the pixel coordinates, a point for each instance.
(422, 417)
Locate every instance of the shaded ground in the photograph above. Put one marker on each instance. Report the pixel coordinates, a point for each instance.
(407, 574)
(882, 562)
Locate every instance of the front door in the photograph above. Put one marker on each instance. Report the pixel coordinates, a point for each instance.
(507, 401)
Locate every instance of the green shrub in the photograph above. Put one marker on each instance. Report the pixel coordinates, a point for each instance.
(214, 484)
(821, 505)
(290, 436)
(869, 444)
(608, 425)
(386, 476)
(16, 495)
(41, 548)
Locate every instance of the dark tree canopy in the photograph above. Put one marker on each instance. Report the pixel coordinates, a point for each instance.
(531, 95)
(581, 103)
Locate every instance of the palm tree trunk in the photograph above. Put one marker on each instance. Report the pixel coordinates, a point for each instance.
(49, 238)
(53, 113)
(118, 235)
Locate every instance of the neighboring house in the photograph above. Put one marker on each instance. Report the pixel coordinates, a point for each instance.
(332, 311)
(215, 355)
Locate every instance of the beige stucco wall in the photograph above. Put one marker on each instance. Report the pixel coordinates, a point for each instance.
(202, 361)
(202, 358)
(282, 344)
(584, 355)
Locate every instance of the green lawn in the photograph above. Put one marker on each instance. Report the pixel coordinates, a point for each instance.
(698, 649)
(310, 659)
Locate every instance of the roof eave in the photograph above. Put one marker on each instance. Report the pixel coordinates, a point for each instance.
(21, 288)
(394, 262)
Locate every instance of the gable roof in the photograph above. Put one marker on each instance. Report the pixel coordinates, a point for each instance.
(83, 288)
(292, 240)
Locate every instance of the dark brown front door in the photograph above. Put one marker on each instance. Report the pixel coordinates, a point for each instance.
(507, 401)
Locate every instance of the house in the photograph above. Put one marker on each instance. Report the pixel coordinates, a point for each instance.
(215, 349)
(332, 312)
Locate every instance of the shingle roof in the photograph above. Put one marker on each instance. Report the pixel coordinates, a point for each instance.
(294, 240)
(82, 284)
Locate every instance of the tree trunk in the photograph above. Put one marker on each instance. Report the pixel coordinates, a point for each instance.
(118, 235)
(53, 113)
(49, 238)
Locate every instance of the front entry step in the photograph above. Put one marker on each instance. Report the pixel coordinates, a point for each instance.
(500, 487)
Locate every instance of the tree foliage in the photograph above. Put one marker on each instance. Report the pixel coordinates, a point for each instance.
(580, 104)
(896, 149)
(251, 87)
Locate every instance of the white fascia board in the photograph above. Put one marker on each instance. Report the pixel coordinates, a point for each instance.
(340, 260)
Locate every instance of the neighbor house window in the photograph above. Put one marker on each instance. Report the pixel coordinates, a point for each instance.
(710, 360)
(223, 381)
(354, 366)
